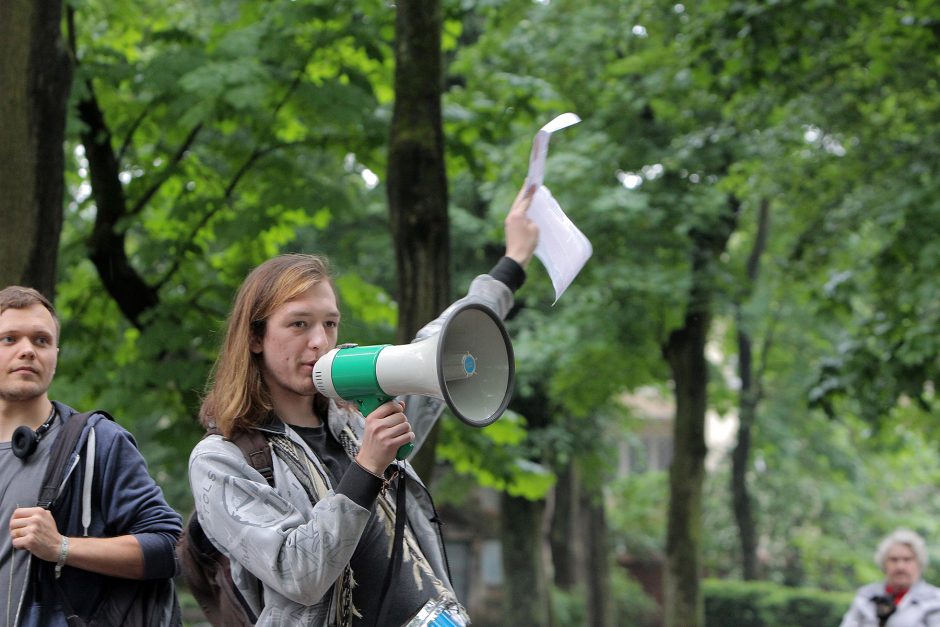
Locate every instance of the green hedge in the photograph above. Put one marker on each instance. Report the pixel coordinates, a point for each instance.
(765, 604)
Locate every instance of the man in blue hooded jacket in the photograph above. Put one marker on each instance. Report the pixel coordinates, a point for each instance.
(105, 551)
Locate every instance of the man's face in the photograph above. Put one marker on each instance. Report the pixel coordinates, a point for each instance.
(28, 353)
(901, 567)
(297, 334)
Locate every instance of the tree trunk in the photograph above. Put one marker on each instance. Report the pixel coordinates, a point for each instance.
(684, 351)
(600, 608)
(580, 555)
(417, 182)
(567, 556)
(35, 76)
(747, 411)
(740, 459)
(525, 594)
(526, 546)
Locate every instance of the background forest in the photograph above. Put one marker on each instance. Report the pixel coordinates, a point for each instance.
(759, 181)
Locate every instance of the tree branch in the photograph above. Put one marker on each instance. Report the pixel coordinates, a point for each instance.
(106, 244)
(256, 154)
(130, 132)
(167, 171)
(253, 158)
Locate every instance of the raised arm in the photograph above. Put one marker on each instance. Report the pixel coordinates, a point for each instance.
(522, 234)
(495, 290)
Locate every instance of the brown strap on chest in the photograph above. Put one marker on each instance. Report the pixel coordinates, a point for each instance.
(254, 446)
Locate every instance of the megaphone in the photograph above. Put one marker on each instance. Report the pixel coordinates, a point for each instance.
(469, 365)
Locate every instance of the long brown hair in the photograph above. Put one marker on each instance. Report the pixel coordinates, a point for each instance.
(236, 396)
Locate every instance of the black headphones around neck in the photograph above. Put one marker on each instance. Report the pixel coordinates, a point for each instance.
(25, 440)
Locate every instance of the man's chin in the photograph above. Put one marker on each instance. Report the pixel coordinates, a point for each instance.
(306, 390)
(22, 393)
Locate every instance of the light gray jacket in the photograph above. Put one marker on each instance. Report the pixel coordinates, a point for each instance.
(920, 607)
(286, 553)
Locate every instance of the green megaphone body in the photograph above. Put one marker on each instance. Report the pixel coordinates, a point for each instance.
(354, 378)
(468, 364)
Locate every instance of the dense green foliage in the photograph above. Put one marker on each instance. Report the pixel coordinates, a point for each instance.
(809, 106)
(763, 604)
(242, 132)
(632, 606)
(243, 129)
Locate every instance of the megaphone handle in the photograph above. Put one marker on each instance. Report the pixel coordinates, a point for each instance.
(405, 451)
(368, 405)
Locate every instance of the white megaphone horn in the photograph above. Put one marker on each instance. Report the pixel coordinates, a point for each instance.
(468, 364)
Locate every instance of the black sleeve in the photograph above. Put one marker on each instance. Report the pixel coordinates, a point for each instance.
(508, 271)
(360, 485)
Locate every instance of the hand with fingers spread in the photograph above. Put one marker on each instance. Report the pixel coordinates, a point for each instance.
(386, 431)
(522, 234)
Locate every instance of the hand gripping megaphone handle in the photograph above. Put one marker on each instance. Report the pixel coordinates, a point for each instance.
(468, 363)
(369, 404)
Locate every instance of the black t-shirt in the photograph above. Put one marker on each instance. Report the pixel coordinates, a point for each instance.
(411, 589)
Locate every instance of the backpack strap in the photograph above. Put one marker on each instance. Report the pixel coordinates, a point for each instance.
(60, 455)
(206, 569)
(53, 483)
(254, 446)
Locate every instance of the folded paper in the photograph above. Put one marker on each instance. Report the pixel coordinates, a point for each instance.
(563, 249)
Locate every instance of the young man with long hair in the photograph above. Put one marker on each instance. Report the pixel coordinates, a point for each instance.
(314, 548)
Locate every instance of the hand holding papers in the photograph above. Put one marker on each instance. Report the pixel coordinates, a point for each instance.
(562, 248)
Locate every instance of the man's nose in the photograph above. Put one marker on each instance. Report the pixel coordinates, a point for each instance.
(317, 337)
(25, 349)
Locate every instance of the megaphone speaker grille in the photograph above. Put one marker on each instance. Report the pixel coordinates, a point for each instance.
(478, 386)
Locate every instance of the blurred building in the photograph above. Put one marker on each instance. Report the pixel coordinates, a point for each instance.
(650, 447)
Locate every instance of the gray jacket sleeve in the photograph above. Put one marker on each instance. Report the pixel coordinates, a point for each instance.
(851, 618)
(299, 554)
(862, 611)
(423, 411)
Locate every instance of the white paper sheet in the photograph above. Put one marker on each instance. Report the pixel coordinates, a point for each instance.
(540, 146)
(563, 249)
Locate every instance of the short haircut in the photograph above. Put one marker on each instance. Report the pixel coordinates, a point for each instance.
(908, 538)
(19, 297)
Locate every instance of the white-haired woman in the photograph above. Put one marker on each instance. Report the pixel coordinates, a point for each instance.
(903, 599)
